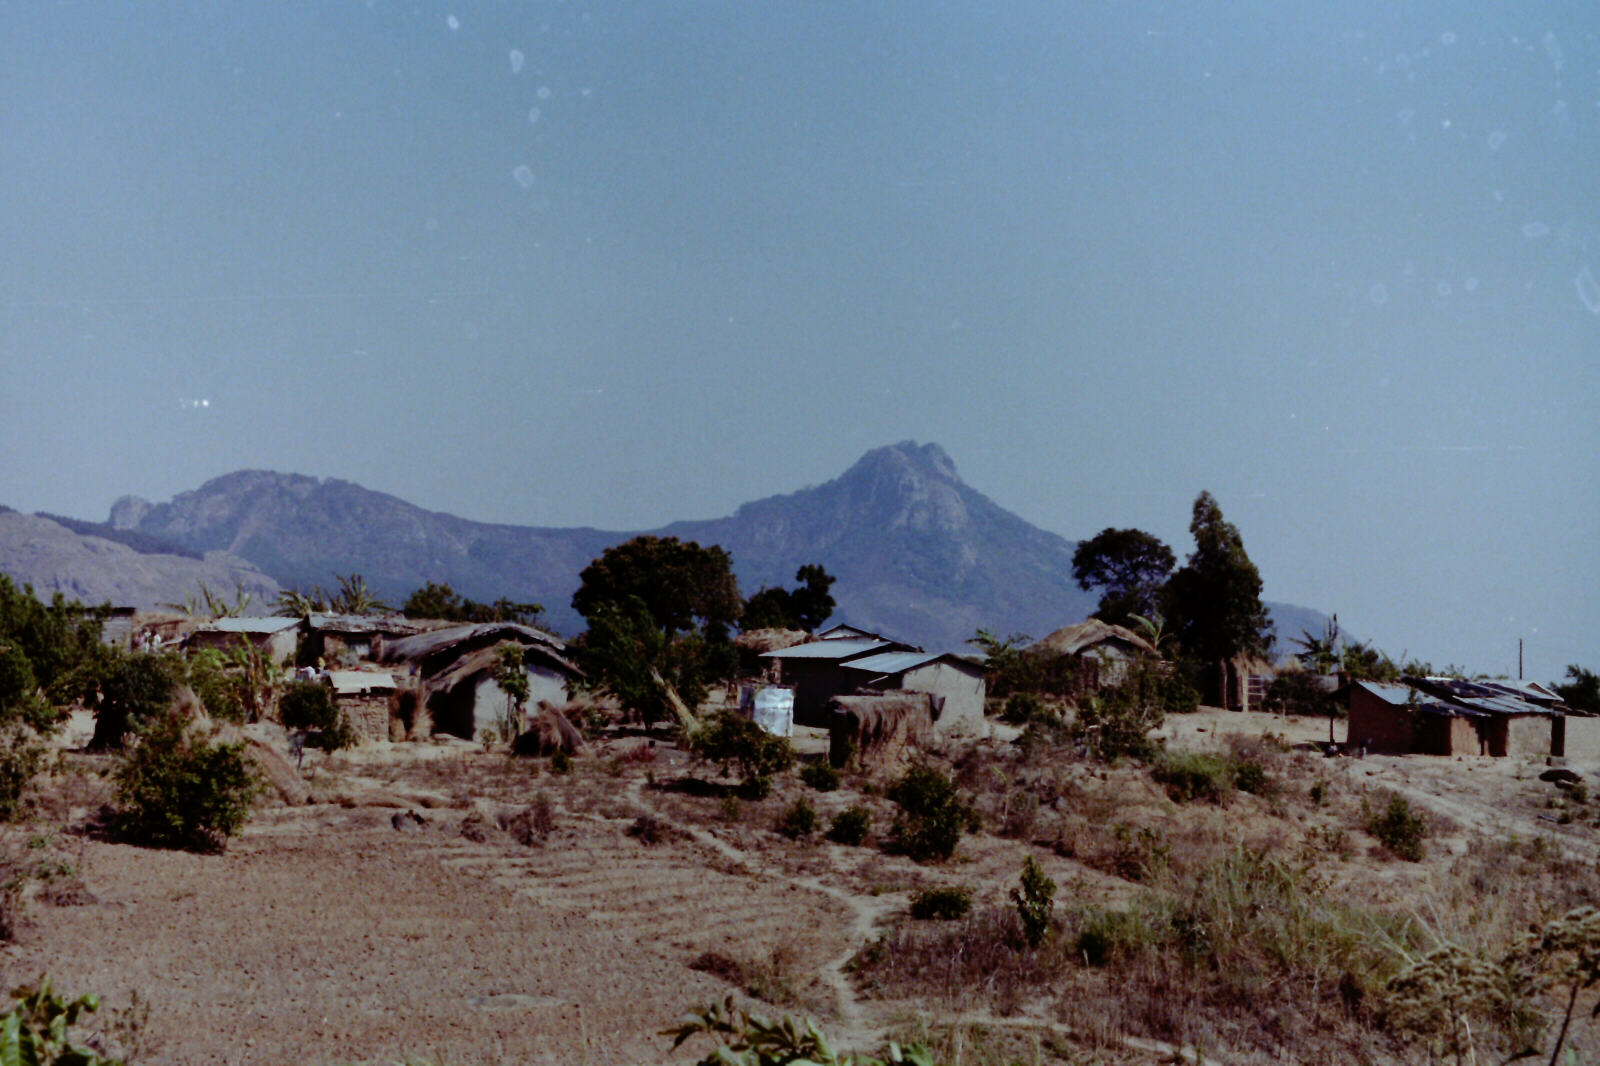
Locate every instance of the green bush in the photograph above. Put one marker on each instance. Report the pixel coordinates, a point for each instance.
(1022, 708)
(1250, 776)
(820, 776)
(208, 676)
(1192, 775)
(732, 741)
(307, 705)
(933, 814)
(941, 904)
(1399, 828)
(850, 826)
(21, 756)
(1035, 898)
(183, 791)
(799, 820)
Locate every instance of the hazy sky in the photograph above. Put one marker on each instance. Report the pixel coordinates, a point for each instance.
(615, 264)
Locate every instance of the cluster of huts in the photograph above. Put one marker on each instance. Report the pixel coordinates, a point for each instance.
(388, 670)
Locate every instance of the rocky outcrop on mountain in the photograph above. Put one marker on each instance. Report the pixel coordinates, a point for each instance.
(37, 551)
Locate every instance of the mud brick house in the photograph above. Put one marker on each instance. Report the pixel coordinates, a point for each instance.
(276, 637)
(1450, 716)
(363, 697)
(451, 671)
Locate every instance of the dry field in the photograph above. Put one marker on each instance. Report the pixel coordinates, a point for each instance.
(440, 904)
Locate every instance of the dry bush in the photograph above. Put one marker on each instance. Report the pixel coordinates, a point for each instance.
(533, 823)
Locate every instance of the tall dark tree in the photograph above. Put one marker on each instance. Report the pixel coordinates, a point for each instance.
(806, 607)
(1213, 603)
(1130, 565)
(659, 611)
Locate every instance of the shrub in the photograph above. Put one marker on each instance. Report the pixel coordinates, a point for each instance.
(307, 705)
(1250, 776)
(941, 904)
(1035, 898)
(1022, 708)
(1301, 693)
(933, 814)
(20, 758)
(751, 1040)
(183, 791)
(820, 776)
(1194, 775)
(1118, 721)
(207, 674)
(799, 820)
(1398, 828)
(560, 762)
(850, 826)
(734, 742)
(533, 823)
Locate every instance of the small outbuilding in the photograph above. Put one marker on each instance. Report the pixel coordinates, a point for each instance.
(1449, 716)
(365, 699)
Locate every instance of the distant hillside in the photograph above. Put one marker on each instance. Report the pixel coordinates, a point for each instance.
(918, 553)
(51, 557)
(303, 531)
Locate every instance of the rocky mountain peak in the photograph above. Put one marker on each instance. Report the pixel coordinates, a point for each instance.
(128, 512)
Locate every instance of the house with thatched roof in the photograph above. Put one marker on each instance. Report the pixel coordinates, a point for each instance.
(451, 671)
(1106, 650)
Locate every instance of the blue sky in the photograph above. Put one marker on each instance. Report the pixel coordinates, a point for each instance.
(619, 264)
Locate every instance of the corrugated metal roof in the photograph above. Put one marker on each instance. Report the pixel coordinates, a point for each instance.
(893, 662)
(248, 625)
(1390, 691)
(829, 649)
(355, 682)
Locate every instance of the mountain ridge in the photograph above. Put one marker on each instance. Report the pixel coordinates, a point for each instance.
(917, 552)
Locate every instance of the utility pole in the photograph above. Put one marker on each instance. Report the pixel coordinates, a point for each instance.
(1519, 658)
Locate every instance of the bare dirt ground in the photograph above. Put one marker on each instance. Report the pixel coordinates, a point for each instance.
(348, 931)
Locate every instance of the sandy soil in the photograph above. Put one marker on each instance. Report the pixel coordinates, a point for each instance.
(346, 931)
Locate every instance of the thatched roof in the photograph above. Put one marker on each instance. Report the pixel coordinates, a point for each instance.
(765, 640)
(432, 651)
(1090, 634)
(470, 666)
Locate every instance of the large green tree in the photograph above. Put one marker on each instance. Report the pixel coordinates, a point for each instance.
(806, 607)
(1213, 603)
(1129, 565)
(1582, 690)
(659, 612)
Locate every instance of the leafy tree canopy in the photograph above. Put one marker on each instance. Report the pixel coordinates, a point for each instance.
(658, 611)
(1130, 565)
(680, 585)
(1214, 600)
(806, 607)
(441, 601)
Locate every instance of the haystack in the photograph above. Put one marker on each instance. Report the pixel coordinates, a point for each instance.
(551, 732)
(881, 732)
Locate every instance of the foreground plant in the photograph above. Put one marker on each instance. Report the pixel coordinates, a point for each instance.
(181, 789)
(745, 1039)
(37, 1031)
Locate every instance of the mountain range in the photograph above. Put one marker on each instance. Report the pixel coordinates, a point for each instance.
(917, 552)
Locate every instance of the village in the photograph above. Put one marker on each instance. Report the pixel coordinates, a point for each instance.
(486, 856)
